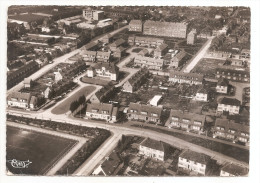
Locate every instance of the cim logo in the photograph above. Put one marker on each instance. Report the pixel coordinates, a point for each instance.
(19, 164)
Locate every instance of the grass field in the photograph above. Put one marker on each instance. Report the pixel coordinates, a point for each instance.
(41, 149)
(65, 105)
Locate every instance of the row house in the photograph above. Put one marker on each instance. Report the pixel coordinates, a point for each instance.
(14, 77)
(189, 78)
(110, 166)
(233, 75)
(102, 111)
(93, 56)
(116, 44)
(108, 70)
(146, 41)
(22, 100)
(233, 170)
(102, 94)
(219, 54)
(152, 149)
(143, 53)
(149, 62)
(186, 121)
(222, 86)
(168, 29)
(194, 163)
(146, 113)
(160, 50)
(135, 81)
(230, 105)
(93, 46)
(177, 60)
(230, 130)
(136, 26)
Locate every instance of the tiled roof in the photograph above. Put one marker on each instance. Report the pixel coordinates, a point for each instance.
(19, 96)
(143, 52)
(90, 45)
(149, 60)
(153, 144)
(228, 124)
(99, 107)
(144, 108)
(189, 76)
(223, 82)
(118, 42)
(179, 56)
(104, 53)
(88, 52)
(202, 90)
(161, 47)
(229, 101)
(195, 156)
(165, 24)
(111, 67)
(110, 165)
(235, 170)
(120, 49)
(188, 115)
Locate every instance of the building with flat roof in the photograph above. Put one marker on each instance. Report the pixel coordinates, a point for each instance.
(136, 26)
(155, 100)
(92, 14)
(167, 29)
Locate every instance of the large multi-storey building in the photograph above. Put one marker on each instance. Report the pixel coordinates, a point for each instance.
(93, 14)
(168, 29)
(136, 26)
(233, 75)
(149, 62)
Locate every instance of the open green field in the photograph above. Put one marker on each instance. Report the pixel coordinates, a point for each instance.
(43, 150)
(64, 106)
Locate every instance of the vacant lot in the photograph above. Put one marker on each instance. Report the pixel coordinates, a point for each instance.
(65, 105)
(41, 149)
(207, 66)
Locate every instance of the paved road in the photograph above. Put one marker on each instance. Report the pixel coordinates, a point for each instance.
(198, 56)
(96, 158)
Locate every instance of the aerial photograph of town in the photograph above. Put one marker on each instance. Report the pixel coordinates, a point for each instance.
(128, 91)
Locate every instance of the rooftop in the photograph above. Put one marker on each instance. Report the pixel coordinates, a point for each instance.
(153, 144)
(229, 101)
(195, 156)
(235, 170)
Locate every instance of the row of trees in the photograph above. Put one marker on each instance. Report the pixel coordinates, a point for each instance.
(75, 104)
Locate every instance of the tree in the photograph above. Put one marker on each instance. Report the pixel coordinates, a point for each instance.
(82, 99)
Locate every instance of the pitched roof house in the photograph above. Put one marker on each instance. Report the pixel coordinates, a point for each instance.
(152, 148)
(231, 105)
(231, 170)
(189, 78)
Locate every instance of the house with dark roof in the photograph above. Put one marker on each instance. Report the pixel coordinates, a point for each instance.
(149, 62)
(103, 56)
(193, 162)
(107, 70)
(116, 44)
(152, 148)
(33, 102)
(108, 38)
(186, 121)
(90, 46)
(146, 113)
(231, 130)
(110, 166)
(233, 170)
(230, 105)
(177, 60)
(148, 41)
(102, 111)
(222, 85)
(136, 25)
(89, 56)
(161, 50)
(119, 52)
(201, 94)
(102, 94)
(189, 78)
(135, 81)
(143, 53)
(19, 99)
